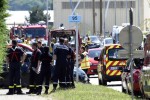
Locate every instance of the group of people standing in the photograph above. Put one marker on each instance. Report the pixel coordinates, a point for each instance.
(44, 67)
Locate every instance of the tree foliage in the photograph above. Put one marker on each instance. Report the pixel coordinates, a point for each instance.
(27, 4)
(36, 15)
(3, 31)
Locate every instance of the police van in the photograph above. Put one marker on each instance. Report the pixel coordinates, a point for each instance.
(110, 64)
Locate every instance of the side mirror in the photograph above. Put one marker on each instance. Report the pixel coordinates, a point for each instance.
(96, 59)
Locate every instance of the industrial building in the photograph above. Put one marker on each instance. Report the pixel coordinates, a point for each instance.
(116, 14)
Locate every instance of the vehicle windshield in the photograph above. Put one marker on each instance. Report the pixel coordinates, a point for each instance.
(94, 39)
(35, 32)
(17, 32)
(113, 54)
(108, 41)
(94, 53)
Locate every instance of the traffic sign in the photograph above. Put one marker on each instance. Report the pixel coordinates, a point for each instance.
(74, 18)
(124, 39)
(136, 54)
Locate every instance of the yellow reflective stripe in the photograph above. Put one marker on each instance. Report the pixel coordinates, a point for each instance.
(107, 72)
(31, 85)
(11, 87)
(15, 84)
(113, 72)
(119, 73)
(116, 62)
(18, 86)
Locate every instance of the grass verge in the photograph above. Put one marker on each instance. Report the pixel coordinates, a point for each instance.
(88, 92)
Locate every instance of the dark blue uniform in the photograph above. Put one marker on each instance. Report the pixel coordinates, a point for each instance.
(61, 52)
(41, 49)
(14, 56)
(33, 80)
(45, 73)
(70, 69)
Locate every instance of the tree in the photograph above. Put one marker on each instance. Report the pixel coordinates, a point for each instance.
(36, 15)
(3, 32)
(27, 4)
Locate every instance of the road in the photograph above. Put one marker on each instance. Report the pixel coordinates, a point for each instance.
(113, 85)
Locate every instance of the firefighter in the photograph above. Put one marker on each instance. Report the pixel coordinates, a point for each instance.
(52, 45)
(27, 41)
(60, 55)
(23, 38)
(34, 70)
(70, 68)
(84, 61)
(40, 47)
(45, 73)
(15, 58)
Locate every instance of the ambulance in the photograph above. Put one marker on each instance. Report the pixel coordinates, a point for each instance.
(110, 64)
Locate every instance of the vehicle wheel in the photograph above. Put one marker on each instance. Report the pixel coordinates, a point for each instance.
(104, 82)
(142, 93)
(123, 89)
(100, 82)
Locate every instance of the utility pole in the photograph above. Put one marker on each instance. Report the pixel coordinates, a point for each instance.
(84, 17)
(126, 11)
(115, 5)
(138, 12)
(101, 17)
(47, 18)
(94, 31)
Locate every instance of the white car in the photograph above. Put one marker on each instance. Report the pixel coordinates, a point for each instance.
(107, 41)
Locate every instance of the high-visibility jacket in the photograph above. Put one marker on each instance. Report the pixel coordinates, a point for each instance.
(85, 64)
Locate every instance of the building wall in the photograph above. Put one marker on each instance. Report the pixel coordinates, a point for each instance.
(62, 10)
(145, 23)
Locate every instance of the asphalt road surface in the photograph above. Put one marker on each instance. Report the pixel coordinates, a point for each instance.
(116, 85)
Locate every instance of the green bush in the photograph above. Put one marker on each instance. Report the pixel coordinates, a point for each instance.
(3, 30)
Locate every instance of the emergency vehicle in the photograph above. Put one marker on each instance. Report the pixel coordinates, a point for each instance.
(70, 34)
(110, 64)
(30, 31)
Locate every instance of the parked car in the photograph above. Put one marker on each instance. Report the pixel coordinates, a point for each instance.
(107, 41)
(96, 43)
(82, 75)
(24, 69)
(126, 76)
(93, 64)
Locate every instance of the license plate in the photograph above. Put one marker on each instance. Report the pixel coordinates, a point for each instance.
(114, 68)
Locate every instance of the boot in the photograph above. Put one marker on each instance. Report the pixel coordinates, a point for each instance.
(19, 91)
(39, 90)
(30, 91)
(10, 92)
(46, 90)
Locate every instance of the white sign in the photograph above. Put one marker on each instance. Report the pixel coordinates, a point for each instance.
(137, 38)
(75, 18)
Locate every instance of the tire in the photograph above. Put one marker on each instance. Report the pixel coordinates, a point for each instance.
(123, 89)
(104, 82)
(100, 82)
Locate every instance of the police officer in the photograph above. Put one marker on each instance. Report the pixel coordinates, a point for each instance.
(15, 57)
(40, 47)
(45, 73)
(34, 69)
(70, 68)
(60, 55)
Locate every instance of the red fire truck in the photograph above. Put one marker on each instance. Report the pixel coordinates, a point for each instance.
(31, 31)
